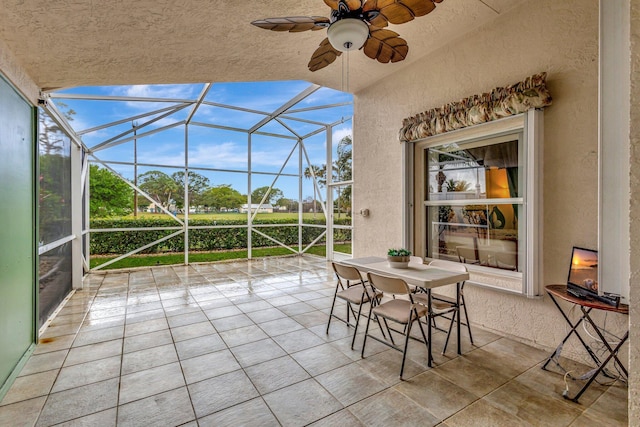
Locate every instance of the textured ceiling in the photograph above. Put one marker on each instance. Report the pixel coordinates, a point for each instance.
(67, 43)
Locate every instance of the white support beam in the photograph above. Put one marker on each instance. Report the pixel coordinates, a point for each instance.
(118, 98)
(77, 184)
(135, 251)
(130, 119)
(293, 101)
(137, 189)
(201, 97)
(249, 218)
(320, 107)
(62, 121)
(329, 195)
(112, 142)
(614, 148)
(186, 190)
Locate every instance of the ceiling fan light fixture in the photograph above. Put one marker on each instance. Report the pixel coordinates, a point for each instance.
(348, 34)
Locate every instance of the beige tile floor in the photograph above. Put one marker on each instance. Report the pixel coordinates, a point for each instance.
(244, 344)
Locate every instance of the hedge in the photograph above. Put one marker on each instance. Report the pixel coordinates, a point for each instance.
(208, 239)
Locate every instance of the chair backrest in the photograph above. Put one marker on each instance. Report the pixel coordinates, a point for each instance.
(386, 284)
(448, 265)
(467, 254)
(346, 272)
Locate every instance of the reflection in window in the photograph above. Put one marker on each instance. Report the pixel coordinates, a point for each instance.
(474, 201)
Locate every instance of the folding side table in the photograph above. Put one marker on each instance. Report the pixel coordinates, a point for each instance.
(586, 305)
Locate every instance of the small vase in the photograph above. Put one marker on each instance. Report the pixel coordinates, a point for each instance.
(398, 261)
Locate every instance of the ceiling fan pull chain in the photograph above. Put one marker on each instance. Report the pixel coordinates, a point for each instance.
(347, 71)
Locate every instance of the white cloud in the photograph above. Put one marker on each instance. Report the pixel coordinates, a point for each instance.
(184, 91)
(227, 155)
(158, 91)
(340, 133)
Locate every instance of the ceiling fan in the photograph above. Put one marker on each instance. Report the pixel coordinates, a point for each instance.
(356, 24)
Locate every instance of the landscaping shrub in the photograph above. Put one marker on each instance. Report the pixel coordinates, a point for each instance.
(201, 239)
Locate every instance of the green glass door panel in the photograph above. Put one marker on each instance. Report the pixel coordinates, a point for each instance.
(17, 259)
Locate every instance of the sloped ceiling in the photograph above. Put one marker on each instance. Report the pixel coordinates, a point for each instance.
(93, 42)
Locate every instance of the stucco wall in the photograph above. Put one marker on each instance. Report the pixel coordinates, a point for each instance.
(12, 70)
(560, 38)
(634, 219)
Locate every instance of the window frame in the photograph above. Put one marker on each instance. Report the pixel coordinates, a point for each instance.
(530, 125)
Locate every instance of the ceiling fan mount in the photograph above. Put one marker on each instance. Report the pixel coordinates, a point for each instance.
(343, 12)
(356, 24)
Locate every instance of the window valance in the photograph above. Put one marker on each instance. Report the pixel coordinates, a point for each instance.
(500, 102)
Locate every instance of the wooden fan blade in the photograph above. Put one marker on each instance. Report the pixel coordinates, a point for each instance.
(385, 46)
(333, 4)
(400, 11)
(351, 4)
(379, 21)
(323, 56)
(293, 24)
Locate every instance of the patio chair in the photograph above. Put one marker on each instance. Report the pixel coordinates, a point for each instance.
(352, 289)
(446, 306)
(403, 311)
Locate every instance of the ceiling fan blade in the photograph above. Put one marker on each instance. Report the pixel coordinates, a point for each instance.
(351, 4)
(385, 46)
(293, 24)
(323, 56)
(399, 11)
(333, 4)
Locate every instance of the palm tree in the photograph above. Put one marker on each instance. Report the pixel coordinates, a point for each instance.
(342, 170)
(318, 172)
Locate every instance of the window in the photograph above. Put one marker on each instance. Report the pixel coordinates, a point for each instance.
(473, 202)
(476, 201)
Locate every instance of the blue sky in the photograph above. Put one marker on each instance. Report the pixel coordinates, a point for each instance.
(211, 148)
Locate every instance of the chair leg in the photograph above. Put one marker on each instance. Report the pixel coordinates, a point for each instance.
(348, 309)
(424, 337)
(382, 330)
(446, 342)
(355, 330)
(406, 344)
(366, 332)
(333, 304)
(388, 330)
(466, 318)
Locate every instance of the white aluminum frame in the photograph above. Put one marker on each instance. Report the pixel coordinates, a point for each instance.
(280, 114)
(530, 125)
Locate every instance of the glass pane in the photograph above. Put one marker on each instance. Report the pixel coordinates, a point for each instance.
(55, 279)
(55, 181)
(485, 235)
(473, 171)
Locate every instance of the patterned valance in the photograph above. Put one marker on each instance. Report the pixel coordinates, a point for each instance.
(500, 102)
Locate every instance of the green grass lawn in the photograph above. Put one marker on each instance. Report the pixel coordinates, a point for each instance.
(178, 258)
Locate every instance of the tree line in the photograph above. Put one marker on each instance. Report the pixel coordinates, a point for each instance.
(111, 196)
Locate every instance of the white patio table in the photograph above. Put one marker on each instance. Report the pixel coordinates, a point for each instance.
(419, 275)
